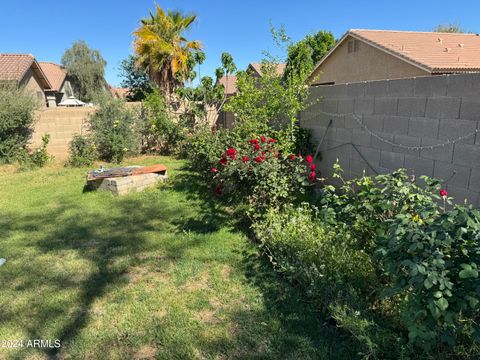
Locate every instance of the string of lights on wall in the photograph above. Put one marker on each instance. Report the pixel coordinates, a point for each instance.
(358, 119)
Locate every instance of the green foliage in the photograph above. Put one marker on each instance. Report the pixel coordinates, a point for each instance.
(135, 79)
(449, 28)
(303, 55)
(258, 175)
(431, 261)
(162, 133)
(35, 158)
(83, 151)
(324, 259)
(204, 146)
(402, 271)
(162, 49)
(116, 130)
(86, 70)
(17, 107)
(268, 103)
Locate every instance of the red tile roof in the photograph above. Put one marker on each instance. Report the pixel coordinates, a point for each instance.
(15, 66)
(280, 68)
(230, 84)
(55, 73)
(437, 53)
(119, 93)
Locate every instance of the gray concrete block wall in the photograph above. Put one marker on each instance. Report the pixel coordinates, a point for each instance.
(421, 111)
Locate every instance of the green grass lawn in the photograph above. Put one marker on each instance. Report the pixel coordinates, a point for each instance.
(160, 274)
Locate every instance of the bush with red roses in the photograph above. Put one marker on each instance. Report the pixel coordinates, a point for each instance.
(259, 175)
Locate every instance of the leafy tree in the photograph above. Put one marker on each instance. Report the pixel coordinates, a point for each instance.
(163, 52)
(303, 55)
(135, 79)
(17, 106)
(199, 57)
(266, 103)
(449, 28)
(320, 43)
(86, 69)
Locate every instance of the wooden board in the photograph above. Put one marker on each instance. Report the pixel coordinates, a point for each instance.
(150, 169)
(127, 171)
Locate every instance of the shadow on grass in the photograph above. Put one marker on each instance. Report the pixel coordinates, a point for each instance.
(105, 238)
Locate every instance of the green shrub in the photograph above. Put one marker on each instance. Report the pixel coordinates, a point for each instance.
(83, 151)
(17, 107)
(258, 175)
(326, 260)
(34, 158)
(432, 263)
(116, 130)
(162, 134)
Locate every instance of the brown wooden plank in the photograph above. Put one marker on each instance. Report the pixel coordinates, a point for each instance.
(150, 169)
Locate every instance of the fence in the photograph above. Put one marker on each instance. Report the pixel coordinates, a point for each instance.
(428, 125)
(61, 124)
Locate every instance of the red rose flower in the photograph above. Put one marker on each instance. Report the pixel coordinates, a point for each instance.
(443, 193)
(218, 190)
(245, 159)
(254, 141)
(313, 167)
(312, 175)
(263, 138)
(309, 158)
(223, 161)
(271, 141)
(231, 153)
(258, 159)
(256, 147)
(214, 170)
(292, 157)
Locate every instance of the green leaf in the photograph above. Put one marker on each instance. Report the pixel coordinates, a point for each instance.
(442, 303)
(468, 273)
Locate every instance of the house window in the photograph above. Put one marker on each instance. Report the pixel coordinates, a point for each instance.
(353, 46)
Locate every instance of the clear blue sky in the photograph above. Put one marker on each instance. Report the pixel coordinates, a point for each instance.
(46, 28)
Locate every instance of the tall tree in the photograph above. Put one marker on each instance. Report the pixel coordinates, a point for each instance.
(199, 57)
(303, 55)
(135, 79)
(162, 50)
(86, 70)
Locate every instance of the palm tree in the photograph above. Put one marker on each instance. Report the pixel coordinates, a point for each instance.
(162, 50)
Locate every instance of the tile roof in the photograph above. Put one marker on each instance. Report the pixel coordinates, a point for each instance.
(229, 85)
(432, 51)
(15, 66)
(55, 73)
(119, 93)
(280, 68)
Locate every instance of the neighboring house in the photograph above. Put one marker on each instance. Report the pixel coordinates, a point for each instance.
(119, 93)
(226, 118)
(255, 69)
(24, 70)
(61, 88)
(363, 55)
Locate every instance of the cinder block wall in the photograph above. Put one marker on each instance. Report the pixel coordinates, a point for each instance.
(418, 112)
(61, 124)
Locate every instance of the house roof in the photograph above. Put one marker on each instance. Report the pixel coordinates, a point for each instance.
(55, 73)
(15, 66)
(119, 93)
(229, 84)
(434, 52)
(257, 67)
